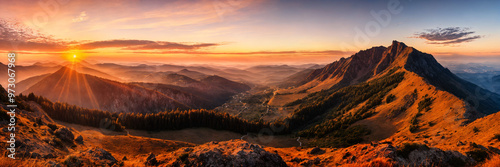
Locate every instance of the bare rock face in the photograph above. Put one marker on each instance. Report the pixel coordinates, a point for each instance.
(409, 155)
(64, 134)
(316, 150)
(434, 156)
(99, 156)
(227, 153)
(79, 139)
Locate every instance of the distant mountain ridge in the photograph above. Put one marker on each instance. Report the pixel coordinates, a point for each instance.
(90, 91)
(158, 91)
(213, 90)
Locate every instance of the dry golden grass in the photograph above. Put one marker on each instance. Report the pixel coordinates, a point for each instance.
(8, 162)
(492, 162)
(377, 162)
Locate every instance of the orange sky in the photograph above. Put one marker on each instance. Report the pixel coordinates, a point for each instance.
(238, 31)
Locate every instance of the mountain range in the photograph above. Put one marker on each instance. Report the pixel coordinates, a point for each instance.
(372, 63)
(385, 106)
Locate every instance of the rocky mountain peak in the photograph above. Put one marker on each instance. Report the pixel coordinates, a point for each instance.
(368, 63)
(396, 45)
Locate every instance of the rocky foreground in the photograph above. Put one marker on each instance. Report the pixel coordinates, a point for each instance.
(43, 142)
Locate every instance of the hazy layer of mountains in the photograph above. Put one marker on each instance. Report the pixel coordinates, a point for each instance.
(144, 88)
(482, 75)
(395, 104)
(87, 87)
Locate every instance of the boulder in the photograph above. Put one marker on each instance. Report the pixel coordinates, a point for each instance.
(226, 153)
(316, 150)
(64, 134)
(79, 139)
(99, 156)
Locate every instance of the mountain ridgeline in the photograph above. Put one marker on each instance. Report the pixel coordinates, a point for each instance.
(386, 106)
(366, 64)
(362, 86)
(85, 90)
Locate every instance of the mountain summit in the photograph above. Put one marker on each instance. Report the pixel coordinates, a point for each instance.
(371, 63)
(394, 93)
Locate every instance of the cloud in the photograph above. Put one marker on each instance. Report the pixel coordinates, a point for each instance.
(447, 36)
(266, 53)
(130, 44)
(16, 36)
(82, 17)
(112, 43)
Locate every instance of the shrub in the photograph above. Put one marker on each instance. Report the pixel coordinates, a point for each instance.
(328, 110)
(418, 114)
(390, 98)
(3, 114)
(407, 148)
(52, 126)
(431, 123)
(478, 155)
(184, 158)
(39, 121)
(474, 145)
(343, 138)
(56, 142)
(413, 128)
(395, 112)
(425, 104)
(475, 129)
(497, 136)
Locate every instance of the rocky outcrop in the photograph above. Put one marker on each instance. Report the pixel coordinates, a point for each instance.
(64, 134)
(404, 155)
(98, 156)
(316, 150)
(434, 157)
(79, 139)
(227, 153)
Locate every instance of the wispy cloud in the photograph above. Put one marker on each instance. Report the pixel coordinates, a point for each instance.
(82, 17)
(16, 36)
(446, 36)
(132, 44)
(265, 53)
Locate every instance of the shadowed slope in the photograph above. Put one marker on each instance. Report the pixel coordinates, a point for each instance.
(89, 91)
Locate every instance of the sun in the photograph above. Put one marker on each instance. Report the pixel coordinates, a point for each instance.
(74, 59)
(73, 56)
